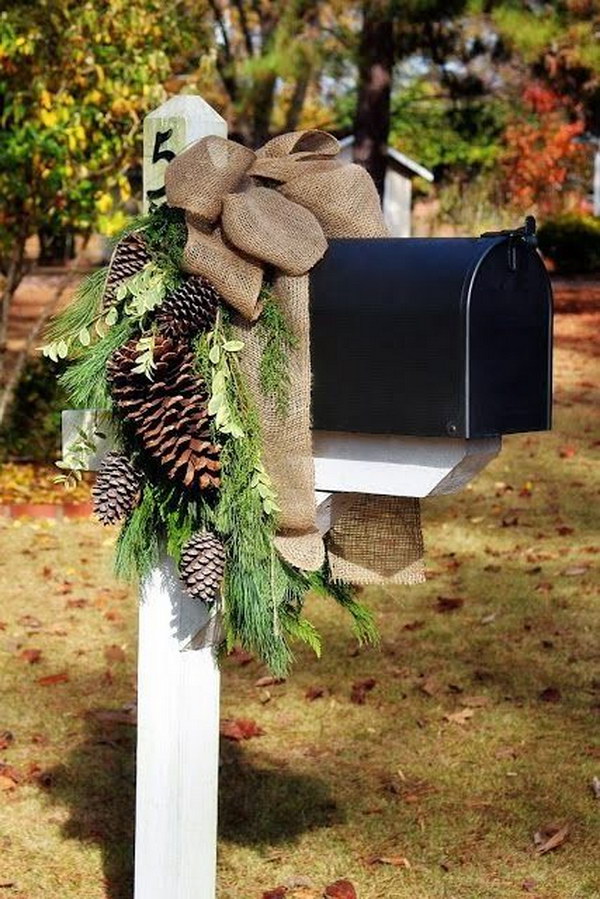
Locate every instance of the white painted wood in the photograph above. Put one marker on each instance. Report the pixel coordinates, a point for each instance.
(169, 130)
(177, 750)
(390, 465)
(178, 690)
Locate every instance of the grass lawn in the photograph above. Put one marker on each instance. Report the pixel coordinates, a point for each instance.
(483, 726)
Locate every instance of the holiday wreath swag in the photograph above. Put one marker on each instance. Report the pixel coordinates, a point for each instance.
(194, 344)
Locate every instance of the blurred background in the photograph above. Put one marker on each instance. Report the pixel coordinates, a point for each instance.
(467, 113)
(478, 739)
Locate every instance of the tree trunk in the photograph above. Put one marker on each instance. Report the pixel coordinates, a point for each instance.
(375, 66)
(11, 378)
(14, 273)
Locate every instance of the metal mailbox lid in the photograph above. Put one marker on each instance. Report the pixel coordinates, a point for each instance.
(509, 340)
(393, 326)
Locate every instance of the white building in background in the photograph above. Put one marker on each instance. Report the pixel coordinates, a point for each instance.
(397, 196)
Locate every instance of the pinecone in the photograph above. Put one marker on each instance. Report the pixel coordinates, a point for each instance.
(169, 413)
(117, 488)
(202, 565)
(129, 258)
(191, 308)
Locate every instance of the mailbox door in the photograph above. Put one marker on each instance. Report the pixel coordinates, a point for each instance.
(509, 322)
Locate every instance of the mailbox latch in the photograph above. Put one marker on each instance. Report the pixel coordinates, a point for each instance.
(526, 232)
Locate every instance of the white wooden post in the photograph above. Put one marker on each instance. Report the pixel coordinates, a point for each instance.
(178, 677)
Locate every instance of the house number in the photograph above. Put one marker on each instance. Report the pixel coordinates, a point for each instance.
(157, 154)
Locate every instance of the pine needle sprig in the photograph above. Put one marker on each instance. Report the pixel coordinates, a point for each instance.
(85, 379)
(277, 341)
(82, 311)
(364, 627)
(139, 542)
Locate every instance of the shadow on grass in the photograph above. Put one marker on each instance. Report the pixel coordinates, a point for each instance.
(97, 784)
(258, 805)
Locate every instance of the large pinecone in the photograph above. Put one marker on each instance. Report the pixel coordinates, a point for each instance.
(129, 258)
(191, 308)
(202, 565)
(169, 413)
(117, 488)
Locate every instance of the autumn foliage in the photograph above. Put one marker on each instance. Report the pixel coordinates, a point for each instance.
(541, 152)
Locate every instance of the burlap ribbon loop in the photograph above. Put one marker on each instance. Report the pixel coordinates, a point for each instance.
(247, 209)
(277, 207)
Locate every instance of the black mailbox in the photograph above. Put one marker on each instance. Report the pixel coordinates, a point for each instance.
(432, 337)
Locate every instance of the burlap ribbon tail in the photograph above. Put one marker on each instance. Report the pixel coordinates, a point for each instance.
(277, 208)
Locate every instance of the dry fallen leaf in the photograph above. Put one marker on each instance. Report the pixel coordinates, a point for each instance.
(114, 653)
(341, 889)
(269, 681)
(240, 656)
(29, 622)
(413, 626)
(126, 715)
(397, 861)
(575, 570)
(51, 679)
(567, 452)
(460, 717)
(6, 783)
(315, 693)
(550, 837)
(277, 893)
(596, 787)
(31, 655)
(76, 603)
(550, 694)
(507, 752)
(9, 776)
(529, 885)
(475, 702)
(360, 688)
(449, 603)
(429, 686)
(6, 738)
(238, 729)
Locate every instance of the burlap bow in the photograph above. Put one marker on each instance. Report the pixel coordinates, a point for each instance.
(276, 208)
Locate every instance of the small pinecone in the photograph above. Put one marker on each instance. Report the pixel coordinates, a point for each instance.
(117, 488)
(202, 565)
(129, 258)
(191, 308)
(169, 413)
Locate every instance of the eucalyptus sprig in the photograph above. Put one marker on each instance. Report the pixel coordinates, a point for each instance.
(145, 364)
(99, 324)
(75, 459)
(143, 292)
(221, 349)
(261, 482)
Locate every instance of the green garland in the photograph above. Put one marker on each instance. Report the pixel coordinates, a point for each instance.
(262, 597)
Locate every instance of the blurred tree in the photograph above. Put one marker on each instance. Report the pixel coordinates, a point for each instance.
(270, 58)
(393, 30)
(558, 41)
(75, 82)
(540, 153)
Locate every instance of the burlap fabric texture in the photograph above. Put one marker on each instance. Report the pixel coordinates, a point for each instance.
(277, 207)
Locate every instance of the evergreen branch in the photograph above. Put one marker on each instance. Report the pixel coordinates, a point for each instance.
(81, 312)
(139, 542)
(277, 340)
(85, 379)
